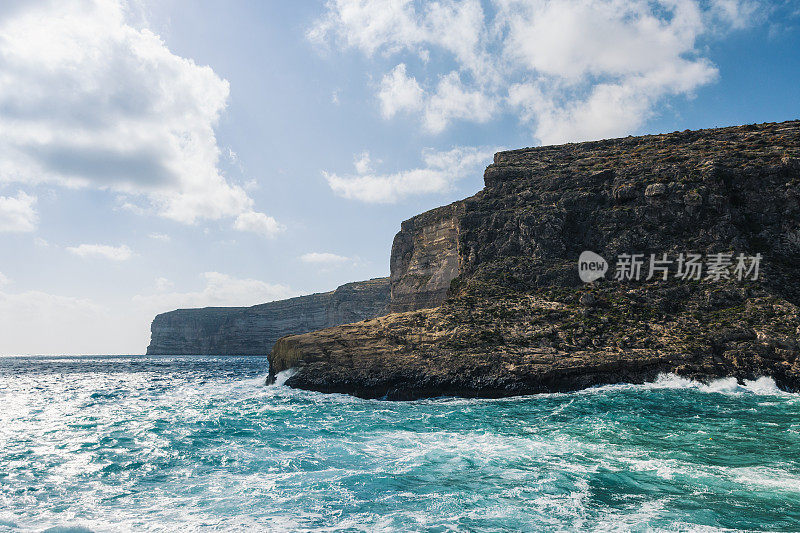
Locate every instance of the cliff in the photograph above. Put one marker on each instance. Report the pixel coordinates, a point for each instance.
(517, 318)
(424, 260)
(254, 330)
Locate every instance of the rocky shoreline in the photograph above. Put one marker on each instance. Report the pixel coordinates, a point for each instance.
(488, 297)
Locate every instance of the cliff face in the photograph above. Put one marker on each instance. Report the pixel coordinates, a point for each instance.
(425, 259)
(519, 320)
(254, 330)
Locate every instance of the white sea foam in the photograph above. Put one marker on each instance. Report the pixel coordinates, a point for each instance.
(767, 478)
(282, 377)
(762, 386)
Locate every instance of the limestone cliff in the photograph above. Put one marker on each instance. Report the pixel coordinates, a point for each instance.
(517, 318)
(254, 330)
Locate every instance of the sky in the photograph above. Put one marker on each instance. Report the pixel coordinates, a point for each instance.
(167, 154)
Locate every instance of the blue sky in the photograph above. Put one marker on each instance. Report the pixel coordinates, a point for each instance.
(169, 154)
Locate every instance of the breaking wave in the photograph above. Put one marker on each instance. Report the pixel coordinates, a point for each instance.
(761, 386)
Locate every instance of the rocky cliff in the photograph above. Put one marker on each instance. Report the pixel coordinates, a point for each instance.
(254, 330)
(518, 319)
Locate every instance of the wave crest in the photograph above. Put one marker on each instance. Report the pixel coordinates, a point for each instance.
(283, 376)
(764, 385)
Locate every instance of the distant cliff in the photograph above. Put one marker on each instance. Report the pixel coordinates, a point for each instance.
(423, 262)
(517, 319)
(254, 330)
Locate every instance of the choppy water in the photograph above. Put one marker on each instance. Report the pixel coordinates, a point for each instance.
(198, 443)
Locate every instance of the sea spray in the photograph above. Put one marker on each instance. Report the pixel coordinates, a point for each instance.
(282, 377)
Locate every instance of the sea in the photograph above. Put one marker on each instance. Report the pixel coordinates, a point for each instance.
(203, 444)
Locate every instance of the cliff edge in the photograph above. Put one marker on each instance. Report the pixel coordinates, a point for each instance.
(516, 317)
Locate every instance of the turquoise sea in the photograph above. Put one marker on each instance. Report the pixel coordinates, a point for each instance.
(200, 444)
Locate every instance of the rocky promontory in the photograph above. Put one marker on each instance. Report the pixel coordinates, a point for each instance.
(487, 292)
(254, 330)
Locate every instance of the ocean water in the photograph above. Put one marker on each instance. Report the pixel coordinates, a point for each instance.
(200, 444)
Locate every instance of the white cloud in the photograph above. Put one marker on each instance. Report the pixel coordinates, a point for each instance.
(399, 92)
(17, 213)
(738, 13)
(258, 223)
(4, 280)
(601, 66)
(87, 100)
(609, 109)
(571, 70)
(440, 171)
(324, 258)
(113, 253)
(368, 25)
(163, 284)
(453, 100)
(397, 25)
(570, 40)
(220, 290)
(363, 163)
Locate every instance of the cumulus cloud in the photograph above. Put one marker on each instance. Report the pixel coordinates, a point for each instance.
(87, 100)
(601, 66)
(220, 290)
(324, 258)
(449, 100)
(440, 171)
(258, 223)
(452, 100)
(399, 92)
(394, 26)
(104, 251)
(17, 213)
(570, 70)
